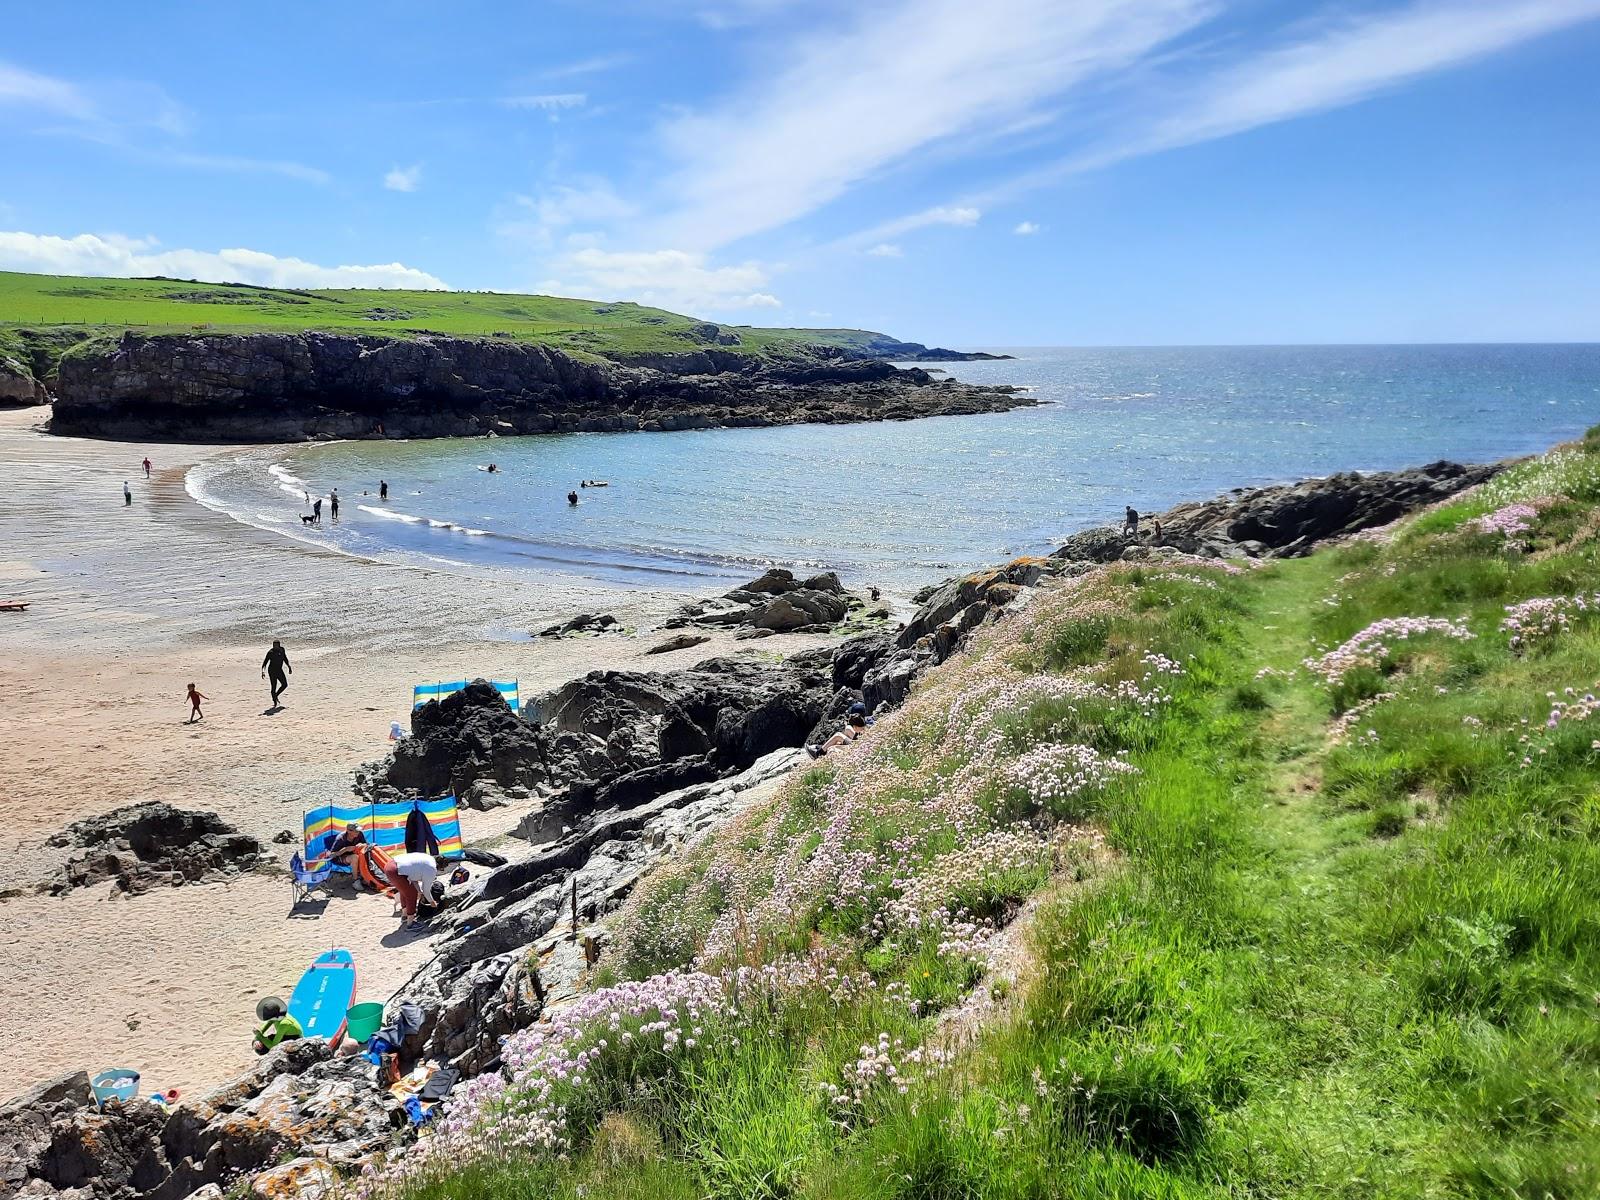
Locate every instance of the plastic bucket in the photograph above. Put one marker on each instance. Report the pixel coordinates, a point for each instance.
(363, 1020)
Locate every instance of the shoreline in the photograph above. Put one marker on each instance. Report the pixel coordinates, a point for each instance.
(128, 604)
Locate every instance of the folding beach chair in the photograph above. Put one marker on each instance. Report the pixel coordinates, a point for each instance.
(304, 881)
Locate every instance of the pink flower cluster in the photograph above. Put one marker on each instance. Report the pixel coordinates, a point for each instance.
(1054, 775)
(1542, 618)
(1351, 717)
(1510, 521)
(1373, 646)
(878, 1069)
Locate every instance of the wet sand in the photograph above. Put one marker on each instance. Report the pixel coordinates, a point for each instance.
(129, 604)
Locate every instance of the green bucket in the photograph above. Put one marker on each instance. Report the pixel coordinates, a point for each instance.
(362, 1021)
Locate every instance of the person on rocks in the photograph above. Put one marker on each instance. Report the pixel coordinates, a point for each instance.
(854, 728)
(194, 698)
(276, 670)
(127, 495)
(1130, 522)
(147, 466)
(383, 489)
(276, 1027)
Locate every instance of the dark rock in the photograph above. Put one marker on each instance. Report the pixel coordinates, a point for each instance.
(154, 844)
(311, 385)
(680, 641)
(587, 623)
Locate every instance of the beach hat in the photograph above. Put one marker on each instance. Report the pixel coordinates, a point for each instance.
(270, 1008)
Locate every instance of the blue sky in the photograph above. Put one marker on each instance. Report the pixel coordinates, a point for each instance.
(1012, 172)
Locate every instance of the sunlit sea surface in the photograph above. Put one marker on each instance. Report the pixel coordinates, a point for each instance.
(902, 504)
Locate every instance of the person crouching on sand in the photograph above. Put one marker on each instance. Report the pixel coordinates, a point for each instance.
(194, 698)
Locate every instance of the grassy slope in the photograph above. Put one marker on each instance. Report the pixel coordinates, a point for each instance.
(1320, 968)
(41, 302)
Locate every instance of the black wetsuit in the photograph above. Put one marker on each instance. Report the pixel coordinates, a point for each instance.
(383, 490)
(276, 663)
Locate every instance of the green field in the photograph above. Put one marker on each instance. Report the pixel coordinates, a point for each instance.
(73, 305)
(1332, 930)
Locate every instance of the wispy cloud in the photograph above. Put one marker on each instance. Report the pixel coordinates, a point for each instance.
(898, 78)
(118, 255)
(403, 179)
(592, 65)
(552, 102)
(885, 250)
(676, 279)
(1340, 63)
(1025, 229)
(138, 120)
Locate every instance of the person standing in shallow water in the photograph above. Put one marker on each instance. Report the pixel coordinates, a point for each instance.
(127, 495)
(572, 497)
(147, 466)
(333, 503)
(275, 667)
(383, 489)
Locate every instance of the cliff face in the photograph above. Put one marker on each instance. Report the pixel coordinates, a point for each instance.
(294, 386)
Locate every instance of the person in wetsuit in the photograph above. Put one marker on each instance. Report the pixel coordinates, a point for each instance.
(572, 497)
(275, 666)
(383, 489)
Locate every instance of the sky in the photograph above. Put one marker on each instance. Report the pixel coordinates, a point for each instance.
(995, 173)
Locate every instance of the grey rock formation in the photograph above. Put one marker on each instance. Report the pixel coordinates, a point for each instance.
(777, 602)
(1286, 521)
(154, 844)
(293, 386)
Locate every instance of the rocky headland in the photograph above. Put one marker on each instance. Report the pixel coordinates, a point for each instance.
(283, 387)
(612, 774)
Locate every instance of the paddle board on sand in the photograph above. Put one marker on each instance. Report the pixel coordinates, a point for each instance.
(324, 995)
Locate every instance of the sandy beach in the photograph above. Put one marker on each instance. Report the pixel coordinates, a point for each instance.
(129, 604)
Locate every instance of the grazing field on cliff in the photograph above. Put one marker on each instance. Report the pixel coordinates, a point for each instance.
(1187, 880)
(40, 302)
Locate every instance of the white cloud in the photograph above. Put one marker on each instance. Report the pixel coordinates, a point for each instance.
(403, 179)
(30, 89)
(885, 250)
(550, 103)
(899, 78)
(676, 279)
(1338, 64)
(588, 66)
(118, 255)
(1025, 229)
(570, 211)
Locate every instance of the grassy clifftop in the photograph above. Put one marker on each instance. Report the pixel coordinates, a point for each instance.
(1184, 881)
(35, 303)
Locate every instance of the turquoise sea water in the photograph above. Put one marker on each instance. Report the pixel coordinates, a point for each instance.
(903, 504)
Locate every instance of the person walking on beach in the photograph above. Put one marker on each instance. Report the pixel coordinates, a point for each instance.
(276, 669)
(316, 511)
(383, 489)
(333, 502)
(194, 698)
(127, 495)
(1130, 523)
(147, 466)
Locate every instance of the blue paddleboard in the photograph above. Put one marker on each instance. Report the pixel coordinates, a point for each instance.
(324, 995)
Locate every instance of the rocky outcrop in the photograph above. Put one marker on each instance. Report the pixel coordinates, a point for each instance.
(777, 602)
(18, 387)
(881, 345)
(1286, 521)
(294, 386)
(154, 845)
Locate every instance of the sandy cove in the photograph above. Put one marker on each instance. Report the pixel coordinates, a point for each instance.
(128, 604)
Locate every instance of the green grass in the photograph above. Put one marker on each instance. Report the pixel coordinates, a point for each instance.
(1318, 970)
(47, 311)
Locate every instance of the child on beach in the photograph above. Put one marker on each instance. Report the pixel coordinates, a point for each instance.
(195, 696)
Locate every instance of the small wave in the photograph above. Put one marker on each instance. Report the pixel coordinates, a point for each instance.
(284, 475)
(388, 514)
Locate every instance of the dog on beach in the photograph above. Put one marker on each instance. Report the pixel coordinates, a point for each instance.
(308, 520)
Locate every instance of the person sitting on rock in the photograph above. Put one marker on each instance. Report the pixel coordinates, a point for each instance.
(854, 728)
(276, 1026)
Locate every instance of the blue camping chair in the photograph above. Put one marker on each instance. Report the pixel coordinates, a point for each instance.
(304, 881)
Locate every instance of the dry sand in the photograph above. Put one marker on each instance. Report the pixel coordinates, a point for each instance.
(128, 606)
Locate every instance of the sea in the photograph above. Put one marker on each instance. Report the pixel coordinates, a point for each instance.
(904, 504)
